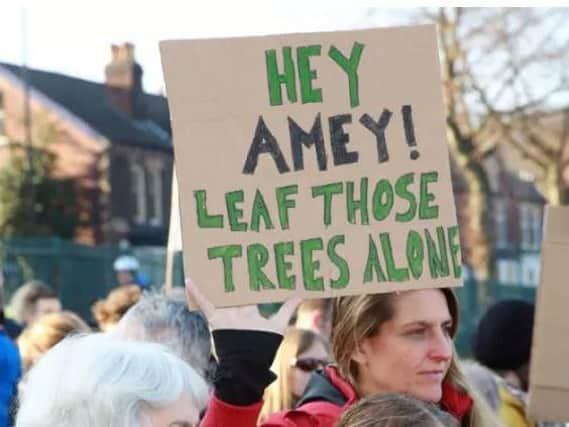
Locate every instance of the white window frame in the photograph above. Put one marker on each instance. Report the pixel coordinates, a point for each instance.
(525, 225)
(139, 189)
(536, 226)
(501, 223)
(155, 169)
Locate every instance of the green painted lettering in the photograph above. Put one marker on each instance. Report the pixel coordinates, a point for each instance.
(427, 211)
(283, 267)
(350, 66)
(259, 211)
(344, 276)
(205, 220)
(306, 74)
(257, 258)
(275, 80)
(354, 205)
(226, 253)
(284, 203)
(309, 266)
(328, 191)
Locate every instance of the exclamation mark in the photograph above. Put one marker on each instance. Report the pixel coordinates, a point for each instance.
(409, 130)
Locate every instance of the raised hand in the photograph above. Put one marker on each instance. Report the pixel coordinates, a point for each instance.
(245, 317)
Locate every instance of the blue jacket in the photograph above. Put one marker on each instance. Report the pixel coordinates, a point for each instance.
(10, 371)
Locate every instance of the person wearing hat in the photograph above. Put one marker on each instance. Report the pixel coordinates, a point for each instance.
(127, 269)
(502, 343)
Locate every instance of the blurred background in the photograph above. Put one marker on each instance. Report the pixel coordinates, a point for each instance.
(86, 153)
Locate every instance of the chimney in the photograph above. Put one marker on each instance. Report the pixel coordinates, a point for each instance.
(123, 81)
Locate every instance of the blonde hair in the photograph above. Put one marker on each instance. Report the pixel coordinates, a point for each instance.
(395, 410)
(45, 333)
(110, 310)
(356, 318)
(278, 396)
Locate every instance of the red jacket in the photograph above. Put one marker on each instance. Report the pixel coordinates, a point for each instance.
(314, 413)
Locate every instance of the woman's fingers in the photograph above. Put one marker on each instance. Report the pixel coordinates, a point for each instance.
(198, 299)
(244, 317)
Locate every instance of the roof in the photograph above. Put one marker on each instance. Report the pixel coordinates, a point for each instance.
(89, 101)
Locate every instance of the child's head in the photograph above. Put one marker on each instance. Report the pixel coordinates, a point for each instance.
(395, 410)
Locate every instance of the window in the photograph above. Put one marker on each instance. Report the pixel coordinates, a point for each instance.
(508, 272)
(139, 189)
(530, 264)
(536, 221)
(501, 223)
(525, 225)
(155, 196)
(530, 223)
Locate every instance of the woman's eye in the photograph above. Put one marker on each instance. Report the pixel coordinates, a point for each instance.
(417, 332)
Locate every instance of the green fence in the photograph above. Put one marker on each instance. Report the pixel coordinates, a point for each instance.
(82, 274)
(79, 274)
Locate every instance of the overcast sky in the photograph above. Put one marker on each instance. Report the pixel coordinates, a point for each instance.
(74, 38)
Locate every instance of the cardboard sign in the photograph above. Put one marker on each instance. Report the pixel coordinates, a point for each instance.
(312, 164)
(174, 234)
(549, 375)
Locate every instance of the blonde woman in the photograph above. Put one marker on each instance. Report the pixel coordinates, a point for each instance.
(385, 343)
(45, 333)
(300, 354)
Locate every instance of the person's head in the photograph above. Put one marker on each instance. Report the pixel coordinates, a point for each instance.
(32, 300)
(109, 311)
(401, 342)
(396, 342)
(395, 410)
(300, 353)
(45, 333)
(125, 267)
(315, 315)
(97, 381)
(502, 341)
(164, 320)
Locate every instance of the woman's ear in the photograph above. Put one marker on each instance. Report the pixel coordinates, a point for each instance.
(360, 353)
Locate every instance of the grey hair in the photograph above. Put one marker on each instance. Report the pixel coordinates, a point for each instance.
(484, 380)
(96, 381)
(167, 321)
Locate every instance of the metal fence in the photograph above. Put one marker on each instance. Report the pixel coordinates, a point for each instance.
(83, 274)
(79, 274)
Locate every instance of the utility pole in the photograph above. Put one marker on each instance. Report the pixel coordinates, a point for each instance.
(30, 187)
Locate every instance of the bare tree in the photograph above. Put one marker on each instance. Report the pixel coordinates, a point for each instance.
(505, 75)
(505, 81)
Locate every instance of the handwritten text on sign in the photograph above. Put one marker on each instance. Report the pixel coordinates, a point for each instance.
(330, 191)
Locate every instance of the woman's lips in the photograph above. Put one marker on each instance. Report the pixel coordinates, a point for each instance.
(434, 375)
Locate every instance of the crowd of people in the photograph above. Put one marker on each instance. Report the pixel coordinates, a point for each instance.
(384, 360)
